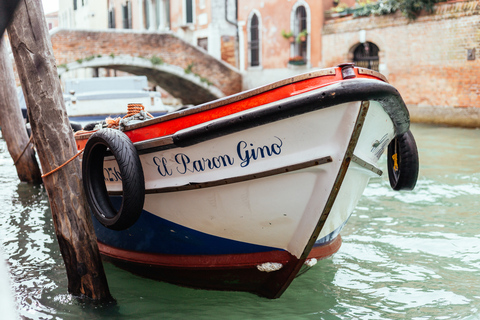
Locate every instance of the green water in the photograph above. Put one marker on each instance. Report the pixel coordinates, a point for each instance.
(405, 255)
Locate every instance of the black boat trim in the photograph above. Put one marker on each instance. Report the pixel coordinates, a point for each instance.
(329, 96)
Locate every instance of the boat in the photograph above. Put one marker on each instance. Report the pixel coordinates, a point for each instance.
(249, 191)
(90, 100)
(93, 99)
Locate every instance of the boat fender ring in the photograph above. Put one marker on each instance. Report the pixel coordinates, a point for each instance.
(130, 172)
(402, 162)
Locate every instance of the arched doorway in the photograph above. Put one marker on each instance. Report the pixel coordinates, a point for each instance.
(366, 55)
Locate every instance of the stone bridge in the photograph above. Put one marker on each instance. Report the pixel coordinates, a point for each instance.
(185, 71)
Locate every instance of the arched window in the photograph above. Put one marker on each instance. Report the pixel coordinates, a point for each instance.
(127, 15)
(254, 41)
(300, 28)
(365, 55)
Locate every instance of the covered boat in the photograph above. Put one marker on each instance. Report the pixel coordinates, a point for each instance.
(244, 192)
(93, 99)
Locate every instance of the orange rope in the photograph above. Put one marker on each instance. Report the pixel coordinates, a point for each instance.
(24, 149)
(133, 109)
(63, 165)
(112, 123)
(80, 132)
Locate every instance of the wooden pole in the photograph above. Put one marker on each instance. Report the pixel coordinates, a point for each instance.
(55, 145)
(13, 124)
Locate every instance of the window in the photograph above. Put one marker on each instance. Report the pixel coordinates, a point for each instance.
(74, 4)
(365, 55)
(189, 11)
(147, 8)
(127, 15)
(254, 43)
(300, 27)
(203, 43)
(162, 8)
(111, 18)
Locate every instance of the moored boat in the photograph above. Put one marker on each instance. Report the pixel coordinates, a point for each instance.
(93, 99)
(244, 192)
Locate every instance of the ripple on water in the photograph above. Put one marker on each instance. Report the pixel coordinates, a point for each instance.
(405, 255)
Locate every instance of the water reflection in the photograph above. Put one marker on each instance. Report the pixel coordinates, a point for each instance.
(404, 256)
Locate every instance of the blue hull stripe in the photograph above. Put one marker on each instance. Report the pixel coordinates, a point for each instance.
(152, 234)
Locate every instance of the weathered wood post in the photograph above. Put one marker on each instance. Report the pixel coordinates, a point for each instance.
(13, 125)
(55, 145)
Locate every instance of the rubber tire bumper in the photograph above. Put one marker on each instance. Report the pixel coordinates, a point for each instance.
(406, 175)
(131, 174)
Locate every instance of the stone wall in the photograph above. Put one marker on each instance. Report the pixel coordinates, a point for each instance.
(425, 59)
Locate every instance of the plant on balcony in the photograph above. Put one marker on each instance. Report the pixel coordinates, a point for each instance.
(297, 61)
(288, 35)
(409, 8)
(302, 36)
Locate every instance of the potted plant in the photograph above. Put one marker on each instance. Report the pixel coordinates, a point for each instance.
(297, 61)
(288, 35)
(302, 36)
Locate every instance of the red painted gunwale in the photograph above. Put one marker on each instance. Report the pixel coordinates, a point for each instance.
(209, 111)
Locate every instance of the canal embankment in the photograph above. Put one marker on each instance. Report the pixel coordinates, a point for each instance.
(431, 60)
(448, 116)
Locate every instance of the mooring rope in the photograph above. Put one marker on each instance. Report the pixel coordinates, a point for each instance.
(24, 149)
(63, 165)
(133, 109)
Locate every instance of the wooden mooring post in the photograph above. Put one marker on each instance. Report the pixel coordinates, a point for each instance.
(55, 145)
(13, 124)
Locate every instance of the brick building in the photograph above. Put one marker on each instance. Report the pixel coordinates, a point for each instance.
(430, 60)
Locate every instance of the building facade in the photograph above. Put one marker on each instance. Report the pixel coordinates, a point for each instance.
(52, 20)
(266, 40)
(210, 24)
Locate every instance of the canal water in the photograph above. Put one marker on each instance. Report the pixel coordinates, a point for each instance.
(405, 255)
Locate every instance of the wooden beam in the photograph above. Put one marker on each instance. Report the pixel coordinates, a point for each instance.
(55, 145)
(13, 124)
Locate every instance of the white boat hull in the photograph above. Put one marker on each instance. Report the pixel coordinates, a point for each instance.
(274, 211)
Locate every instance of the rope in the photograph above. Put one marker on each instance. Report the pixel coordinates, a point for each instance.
(24, 149)
(63, 165)
(133, 109)
(113, 123)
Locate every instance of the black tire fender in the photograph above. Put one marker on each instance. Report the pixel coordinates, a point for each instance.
(402, 162)
(131, 174)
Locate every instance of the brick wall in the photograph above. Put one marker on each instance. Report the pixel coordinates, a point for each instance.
(425, 59)
(228, 50)
(71, 45)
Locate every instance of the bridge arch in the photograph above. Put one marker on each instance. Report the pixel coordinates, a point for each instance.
(191, 88)
(185, 71)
